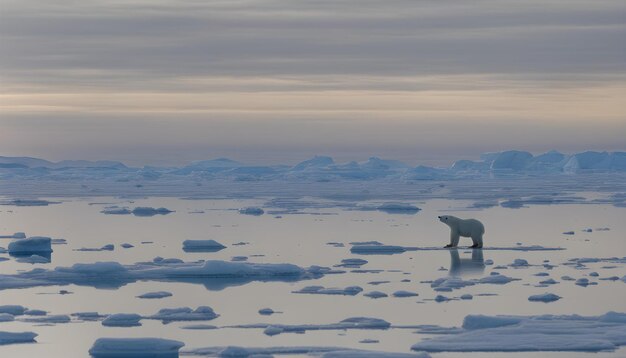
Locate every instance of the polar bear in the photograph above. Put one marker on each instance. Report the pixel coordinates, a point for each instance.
(466, 228)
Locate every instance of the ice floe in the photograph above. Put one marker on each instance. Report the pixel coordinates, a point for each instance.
(17, 337)
(202, 313)
(202, 246)
(545, 297)
(122, 320)
(34, 244)
(321, 290)
(348, 323)
(155, 295)
(135, 347)
(213, 274)
(532, 334)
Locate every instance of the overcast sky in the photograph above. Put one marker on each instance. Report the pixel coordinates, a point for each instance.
(167, 82)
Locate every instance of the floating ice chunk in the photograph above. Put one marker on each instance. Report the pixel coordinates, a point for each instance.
(519, 263)
(594, 274)
(135, 347)
(29, 202)
(403, 293)
(32, 244)
(569, 233)
(546, 297)
(199, 326)
(472, 322)
(127, 246)
(122, 320)
(375, 294)
(6, 317)
(489, 262)
(497, 279)
(441, 298)
(587, 230)
(17, 235)
(598, 229)
(375, 248)
(352, 263)
(533, 334)
(148, 211)
(251, 211)
(35, 313)
(567, 278)
(15, 310)
(107, 247)
(88, 316)
(266, 311)
(325, 352)
(348, 323)
(17, 337)
(52, 319)
(584, 282)
(239, 258)
(202, 313)
(116, 211)
(466, 296)
(202, 246)
(321, 290)
(33, 259)
(155, 295)
(549, 281)
(273, 330)
(398, 208)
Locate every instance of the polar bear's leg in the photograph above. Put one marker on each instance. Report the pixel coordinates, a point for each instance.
(477, 239)
(454, 239)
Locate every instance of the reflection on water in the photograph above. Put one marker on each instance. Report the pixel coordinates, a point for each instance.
(473, 265)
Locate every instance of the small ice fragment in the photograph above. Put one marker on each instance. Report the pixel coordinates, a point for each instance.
(594, 274)
(548, 282)
(122, 320)
(35, 313)
(467, 296)
(569, 233)
(403, 293)
(321, 290)
(584, 282)
(239, 258)
(587, 230)
(148, 211)
(6, 317)
(135, 347)
(546, 298)
(251, 211)
(126, 245)
(368, 340)
(266, 311)
(202, 246)
(155, 295)
(375, 294)
(519, 263)
(441, 298)
(202, 313)
(273, 330)
(17, 235)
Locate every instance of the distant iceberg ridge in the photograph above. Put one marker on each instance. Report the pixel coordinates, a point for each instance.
(27, 179)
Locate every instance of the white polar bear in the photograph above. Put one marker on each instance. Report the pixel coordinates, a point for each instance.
(466, 228)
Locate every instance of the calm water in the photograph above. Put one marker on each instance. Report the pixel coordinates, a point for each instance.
(301, 240)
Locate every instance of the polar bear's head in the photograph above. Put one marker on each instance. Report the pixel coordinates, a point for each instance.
(448, 219)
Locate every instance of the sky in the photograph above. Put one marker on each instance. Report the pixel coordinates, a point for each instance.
(167, 82)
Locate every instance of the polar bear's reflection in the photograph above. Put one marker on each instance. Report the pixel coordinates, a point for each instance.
(466, 266)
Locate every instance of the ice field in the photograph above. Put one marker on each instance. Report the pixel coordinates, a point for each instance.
(348, 268)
